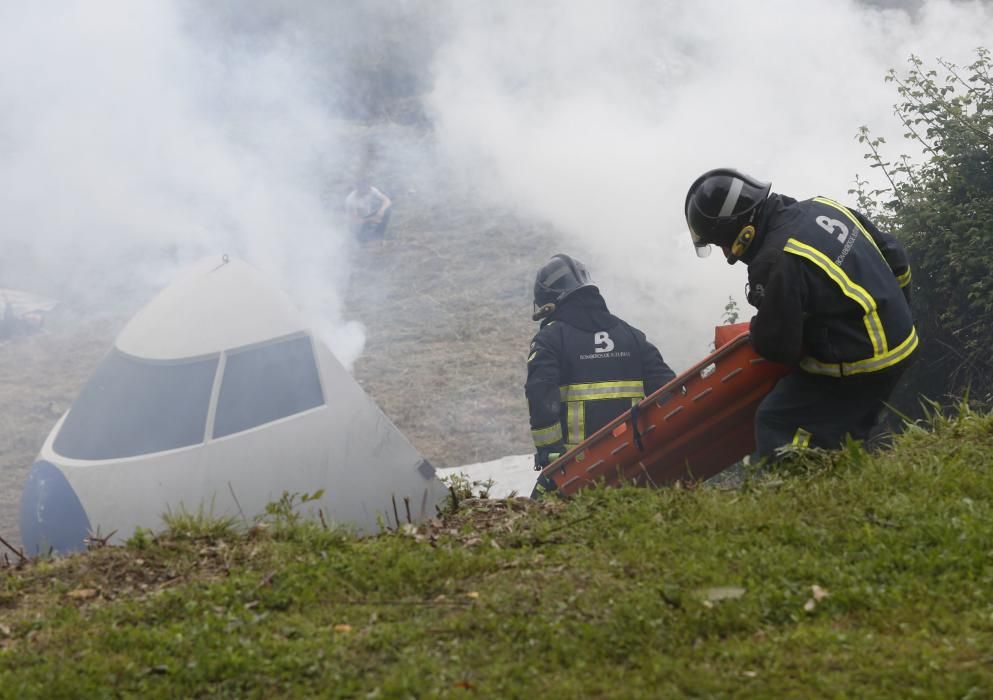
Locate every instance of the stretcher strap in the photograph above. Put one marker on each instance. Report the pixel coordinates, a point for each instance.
(634, 428)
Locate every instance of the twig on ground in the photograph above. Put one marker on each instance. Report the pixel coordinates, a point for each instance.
(20, 555)
(240, 511)
(95, 541)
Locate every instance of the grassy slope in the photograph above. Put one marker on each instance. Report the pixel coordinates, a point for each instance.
(617, 593)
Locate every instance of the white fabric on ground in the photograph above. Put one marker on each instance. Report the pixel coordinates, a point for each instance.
(512, 475)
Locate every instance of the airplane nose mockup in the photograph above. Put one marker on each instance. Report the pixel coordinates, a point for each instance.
(52, 518)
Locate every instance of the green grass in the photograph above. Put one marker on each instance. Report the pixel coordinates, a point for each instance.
(616, 593)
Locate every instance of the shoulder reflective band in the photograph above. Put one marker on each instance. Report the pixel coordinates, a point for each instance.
(873, 326)
(543, 437)
(801, 438)
(902, 279)
(595, 391)
(532, 355)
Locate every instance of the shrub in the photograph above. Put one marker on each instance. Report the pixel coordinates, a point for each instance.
(942, 210)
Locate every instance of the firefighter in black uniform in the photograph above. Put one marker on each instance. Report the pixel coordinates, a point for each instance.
(586, 366)
(832, 293)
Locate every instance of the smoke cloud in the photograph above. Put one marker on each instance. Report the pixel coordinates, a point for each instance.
(597, 117)
(138, 137)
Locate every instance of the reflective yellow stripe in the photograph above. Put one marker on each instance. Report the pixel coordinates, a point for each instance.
(903, 279)
(532, 355)
(547, 436)
(873, 326)
(873, 364)
(602, 390)
(575, 422)
(801, 438)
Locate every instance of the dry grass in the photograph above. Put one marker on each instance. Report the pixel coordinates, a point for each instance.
(447, 314)
(447, 307)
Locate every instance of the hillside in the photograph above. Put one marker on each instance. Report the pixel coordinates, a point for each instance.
(447, 308)
(851, 576)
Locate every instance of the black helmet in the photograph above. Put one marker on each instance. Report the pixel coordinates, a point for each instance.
(557, 279)
(721, 209)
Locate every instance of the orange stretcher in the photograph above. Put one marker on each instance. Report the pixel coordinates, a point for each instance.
(692, 428)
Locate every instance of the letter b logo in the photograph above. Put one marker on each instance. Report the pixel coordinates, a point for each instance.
(602, 342)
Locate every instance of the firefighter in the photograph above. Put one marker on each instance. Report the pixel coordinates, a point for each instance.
(586, 366)
(832, 294)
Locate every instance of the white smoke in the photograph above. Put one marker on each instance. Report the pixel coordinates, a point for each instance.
(133, 141)
(136, 137)
(597, 116)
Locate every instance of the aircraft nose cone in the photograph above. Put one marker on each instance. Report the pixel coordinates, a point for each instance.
(52, 518)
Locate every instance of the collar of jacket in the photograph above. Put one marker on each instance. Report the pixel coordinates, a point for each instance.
(777, 210)
(585, 309)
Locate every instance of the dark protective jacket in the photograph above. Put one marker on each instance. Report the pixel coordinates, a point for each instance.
(586, 367)
(832, 291)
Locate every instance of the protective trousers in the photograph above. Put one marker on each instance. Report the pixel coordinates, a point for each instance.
(808, 410)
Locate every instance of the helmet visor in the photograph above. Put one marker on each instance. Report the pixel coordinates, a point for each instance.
(701, 246)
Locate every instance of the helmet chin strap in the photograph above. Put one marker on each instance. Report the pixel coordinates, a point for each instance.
(544, 311)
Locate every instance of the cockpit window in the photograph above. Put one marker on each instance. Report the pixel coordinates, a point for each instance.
(265, 383)
(132, 406)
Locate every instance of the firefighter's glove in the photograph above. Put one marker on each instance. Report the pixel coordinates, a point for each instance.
(543, 458)
(755, 294)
